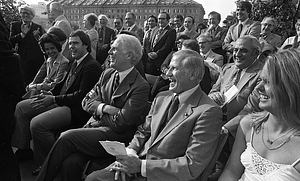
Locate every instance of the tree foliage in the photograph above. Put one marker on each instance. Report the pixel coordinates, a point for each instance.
(284, 11)
(9, 10)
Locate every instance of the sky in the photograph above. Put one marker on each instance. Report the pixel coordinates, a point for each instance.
(224, 7)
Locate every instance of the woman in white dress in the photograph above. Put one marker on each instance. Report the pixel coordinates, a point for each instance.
(267, 143)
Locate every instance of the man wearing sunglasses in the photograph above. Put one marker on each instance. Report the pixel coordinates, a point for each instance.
(244, 26)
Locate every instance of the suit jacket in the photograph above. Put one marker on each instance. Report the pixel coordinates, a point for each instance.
(193, 34)
(218, 36)
(130, 96)
(93, 34)
(272, 39)
(31, 55)
(246, 84)
(50, 75)
(85, 77)
(147, 41)
(63, 23)
(138, 31)
(186, 144)
(250, 28)
(163, 47)
(215, 58)
(180, 29)
(102, 53)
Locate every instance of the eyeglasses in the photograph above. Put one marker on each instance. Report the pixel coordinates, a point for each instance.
(266, 24)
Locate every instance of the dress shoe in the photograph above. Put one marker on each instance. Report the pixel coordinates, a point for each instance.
(36, 171)
(216, 172)
(24, 154)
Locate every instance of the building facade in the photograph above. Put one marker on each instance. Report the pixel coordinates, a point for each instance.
(76, 9)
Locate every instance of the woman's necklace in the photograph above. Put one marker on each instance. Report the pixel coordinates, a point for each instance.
(270, 141)
(281, 144)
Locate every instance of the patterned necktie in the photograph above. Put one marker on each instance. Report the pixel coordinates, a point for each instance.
(157, 36)
(240, 28)
(69, 78)
(234, 80)
(116, 82)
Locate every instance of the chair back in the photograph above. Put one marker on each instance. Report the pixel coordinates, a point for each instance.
(221, 142)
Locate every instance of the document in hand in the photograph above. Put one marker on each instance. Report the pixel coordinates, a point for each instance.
(114, 147)
(229, 95)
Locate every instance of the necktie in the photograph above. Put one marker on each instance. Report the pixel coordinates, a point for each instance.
(101, 35)
(240, 28)
(234, 79)
(69, 78)
(116, 82)
(157, 37)
(171, 111)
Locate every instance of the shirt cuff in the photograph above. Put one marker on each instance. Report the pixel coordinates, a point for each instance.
(143, 168)
(99, 109)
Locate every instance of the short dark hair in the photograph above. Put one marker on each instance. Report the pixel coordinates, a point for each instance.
(193, 20)
(245, 4)
(179, 16)
(50, 38)
(215, 13)
(167, 15)
(58, 32)
(119, 19)
(83, 37)
(183, 36)
(152, 16)
(92, 18)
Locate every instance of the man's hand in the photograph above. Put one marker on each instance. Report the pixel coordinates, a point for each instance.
(36, 34)
(24, 29)
(218, 97)
(128, 164)
(111, 110)
(42, 101)
(152, 55)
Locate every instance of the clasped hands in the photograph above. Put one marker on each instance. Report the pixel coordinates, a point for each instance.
(125, 165)
(41, 101)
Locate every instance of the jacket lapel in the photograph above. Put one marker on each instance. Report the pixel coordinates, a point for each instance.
(184, 112)
(125, 85)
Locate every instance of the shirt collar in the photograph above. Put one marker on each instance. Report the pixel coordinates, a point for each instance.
(80, 60)
(132, 26)
(244, 22)
(124, 73)
(184, 95)
(205, 55)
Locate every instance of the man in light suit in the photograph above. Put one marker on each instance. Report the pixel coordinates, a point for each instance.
(243, 27)
(106, 35)
(56, 13)
(213, 60)
(177, 147)
(218, 33)
(162, 44)
(132, 27)
(244, 72)
(24, 36)
(115, 109)
(44, 114)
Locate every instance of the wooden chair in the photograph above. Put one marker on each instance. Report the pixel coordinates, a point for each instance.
(221, 142)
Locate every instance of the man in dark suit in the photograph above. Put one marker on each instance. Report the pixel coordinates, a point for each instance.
(118, 24)
(115, 103)
(161, 45)
(180, 133)
(106, 35)
(44, 114)
(132, 27)
(178, 20)
(24, 36)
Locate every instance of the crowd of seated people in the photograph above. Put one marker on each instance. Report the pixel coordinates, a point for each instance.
(93, 84)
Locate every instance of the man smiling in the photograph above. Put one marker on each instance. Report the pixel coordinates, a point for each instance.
(180, 133)
(115, 104)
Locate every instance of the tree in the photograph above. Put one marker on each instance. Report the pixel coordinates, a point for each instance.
(284, 11)
(9, 10)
